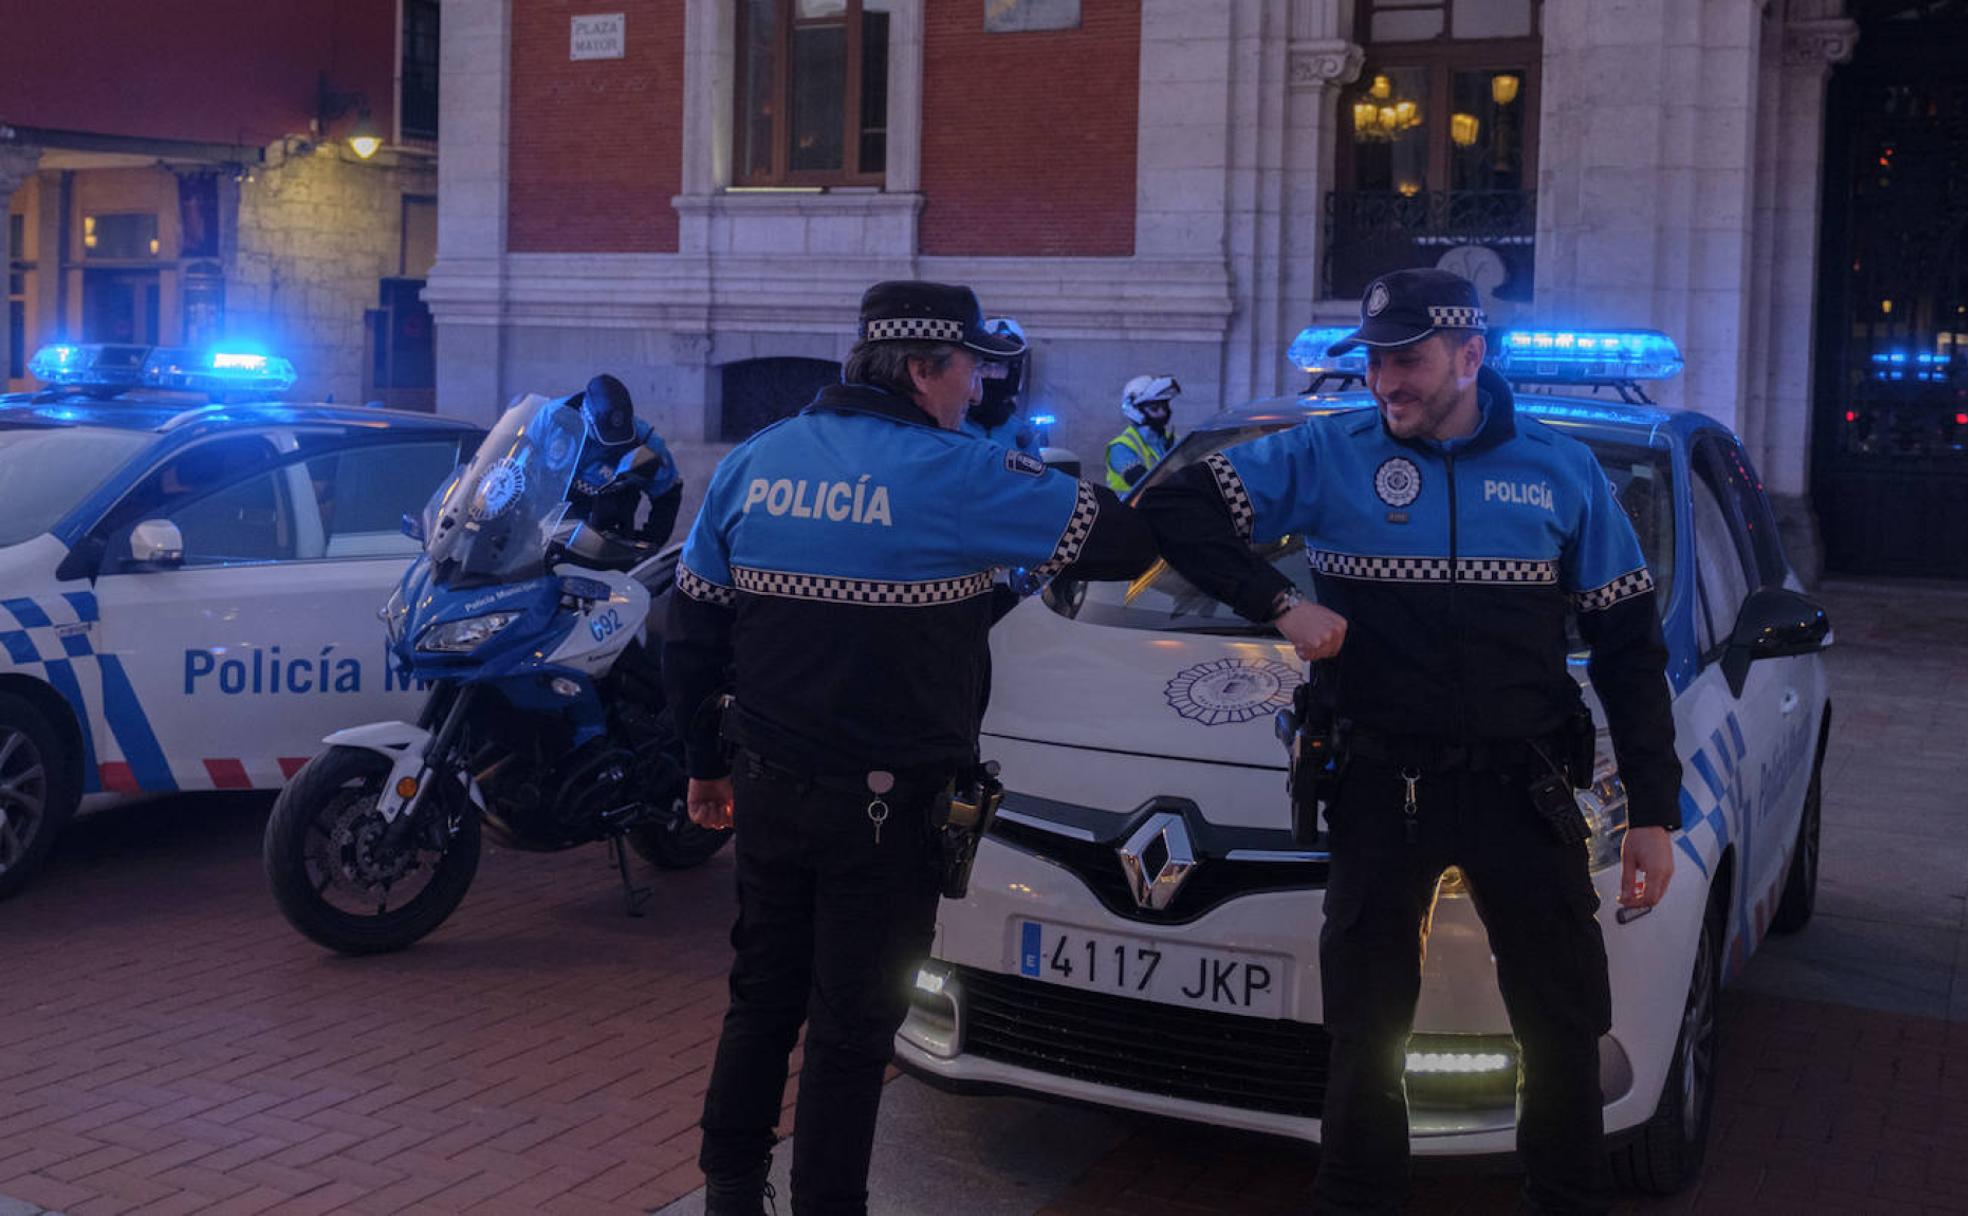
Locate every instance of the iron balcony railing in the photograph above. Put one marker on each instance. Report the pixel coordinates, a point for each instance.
(1370, 232)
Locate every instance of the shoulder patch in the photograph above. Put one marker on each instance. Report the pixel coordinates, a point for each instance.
(1024, 462)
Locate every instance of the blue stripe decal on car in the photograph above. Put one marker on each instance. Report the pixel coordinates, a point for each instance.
(1707, 771)
(20, 647)
(84, 603)
(28, 613)
(133, 733)
(1736, 734)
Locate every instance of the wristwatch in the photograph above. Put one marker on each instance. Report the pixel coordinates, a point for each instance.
(1288, 599)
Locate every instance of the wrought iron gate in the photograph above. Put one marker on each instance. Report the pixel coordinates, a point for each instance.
(1891, 453)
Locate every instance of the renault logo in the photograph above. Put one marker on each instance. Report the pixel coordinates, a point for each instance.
(1157, 859)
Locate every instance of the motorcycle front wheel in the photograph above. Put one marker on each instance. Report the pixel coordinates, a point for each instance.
(334, 875)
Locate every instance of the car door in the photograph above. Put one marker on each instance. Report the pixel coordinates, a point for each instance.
(1729, 736)
(265, 637)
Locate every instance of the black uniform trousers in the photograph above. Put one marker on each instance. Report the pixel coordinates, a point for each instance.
(831, 925)
(1537, 903)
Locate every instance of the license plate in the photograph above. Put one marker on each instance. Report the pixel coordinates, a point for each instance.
(1229, 981)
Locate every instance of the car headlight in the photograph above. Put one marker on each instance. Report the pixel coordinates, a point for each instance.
(1604, 805)
(467, 634)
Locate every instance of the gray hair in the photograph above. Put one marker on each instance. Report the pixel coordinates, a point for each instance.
(886, 364)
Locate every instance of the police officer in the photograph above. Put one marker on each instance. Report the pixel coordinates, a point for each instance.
(1148, 403)
(840, 568)
(994, 415)
(623, 462)
(1449, 536)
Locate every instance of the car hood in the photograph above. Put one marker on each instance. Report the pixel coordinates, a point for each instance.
(1176, 696)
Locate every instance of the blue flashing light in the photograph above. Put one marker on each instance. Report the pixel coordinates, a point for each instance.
(1929, 366)
(1043, 420)
(1308, 352)
(218, 371)
(1567, 356)
(97, 365)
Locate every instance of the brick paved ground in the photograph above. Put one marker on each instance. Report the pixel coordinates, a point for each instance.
(168, 1045)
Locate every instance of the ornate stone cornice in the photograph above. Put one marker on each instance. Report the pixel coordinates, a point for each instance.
(1821, 43)
(1324, 64)
(17, 164)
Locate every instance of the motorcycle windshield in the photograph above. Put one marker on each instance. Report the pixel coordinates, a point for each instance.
(495, 521)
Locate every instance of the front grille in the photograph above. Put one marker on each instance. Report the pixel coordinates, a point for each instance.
(1260, 1064)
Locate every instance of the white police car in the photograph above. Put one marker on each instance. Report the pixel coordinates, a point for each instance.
(189, 577)
(1142, 929)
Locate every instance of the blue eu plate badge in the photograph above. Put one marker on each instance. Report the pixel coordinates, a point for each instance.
(1028, 949)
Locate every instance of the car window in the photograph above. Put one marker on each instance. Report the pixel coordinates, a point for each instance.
(249, 521)
(1736, 484)
(46, 471)
(1641, 478)
(363, 493)
(1721, 574)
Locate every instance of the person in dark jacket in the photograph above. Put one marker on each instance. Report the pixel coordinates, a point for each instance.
(1449, 537)
(838, 579)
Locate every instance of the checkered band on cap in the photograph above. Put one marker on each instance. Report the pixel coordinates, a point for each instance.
(861, 590)
(913, 329)
(1235, 496)
(1625, 587)
(1080, 526)
(1456, 316)
(700, 588)
(1509, 570)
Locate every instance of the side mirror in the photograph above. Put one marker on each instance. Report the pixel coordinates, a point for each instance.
(1774, 623)
(413, 528)
(156, 544)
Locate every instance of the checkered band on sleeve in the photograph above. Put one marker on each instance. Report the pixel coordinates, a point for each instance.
(1455, 316)
(702, 589)
(831, 589)
(913, 329)
(1086, 509)
(1625, 587)
(1235, 496)
(1509, 570)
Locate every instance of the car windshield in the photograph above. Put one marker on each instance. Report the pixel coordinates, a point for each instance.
(1164, 600)
(45, 471)
(495, 520)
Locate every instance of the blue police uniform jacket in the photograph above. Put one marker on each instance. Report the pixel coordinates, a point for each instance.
(1455, 565)
(840, 571)
(609, 489)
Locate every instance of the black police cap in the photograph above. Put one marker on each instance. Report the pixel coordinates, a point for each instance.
(910, 310)
(1408, 305)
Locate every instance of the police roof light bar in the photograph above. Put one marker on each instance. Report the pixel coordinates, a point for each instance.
(218, 371)
(1308, 353)
(1618, 358)
(93, 365)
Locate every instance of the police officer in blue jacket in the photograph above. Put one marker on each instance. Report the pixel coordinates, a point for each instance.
(623, 463)
(838, 578)
(1449, 537)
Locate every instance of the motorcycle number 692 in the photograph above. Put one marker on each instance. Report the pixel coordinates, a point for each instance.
(605, 625)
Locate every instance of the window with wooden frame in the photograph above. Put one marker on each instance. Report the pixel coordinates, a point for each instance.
(1447, 100)
(812, 95)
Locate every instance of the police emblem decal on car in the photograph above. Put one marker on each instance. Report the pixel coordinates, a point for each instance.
(1229, 691)
(1397, 481)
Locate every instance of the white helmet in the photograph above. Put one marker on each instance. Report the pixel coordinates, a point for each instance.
(1143, 389)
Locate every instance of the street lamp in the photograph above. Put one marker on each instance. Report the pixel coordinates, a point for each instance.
(331, 104)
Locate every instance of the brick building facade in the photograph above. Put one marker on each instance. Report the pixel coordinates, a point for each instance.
(1149, 185)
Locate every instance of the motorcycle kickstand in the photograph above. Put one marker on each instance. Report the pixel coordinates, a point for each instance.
(633, 896)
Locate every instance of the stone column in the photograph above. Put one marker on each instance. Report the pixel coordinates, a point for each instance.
(1322, 63)
(17, 165)
(1645, 192)
(466, 290)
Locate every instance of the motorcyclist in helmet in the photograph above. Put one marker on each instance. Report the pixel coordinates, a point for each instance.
(1147, 403)
(995, 415)
(623, 462)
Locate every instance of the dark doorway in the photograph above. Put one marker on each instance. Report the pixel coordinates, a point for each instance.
(119, 306)
(755, 393)
(1890, 475)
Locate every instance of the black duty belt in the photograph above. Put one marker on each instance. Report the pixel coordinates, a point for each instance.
(908, 782)
(1426, 755)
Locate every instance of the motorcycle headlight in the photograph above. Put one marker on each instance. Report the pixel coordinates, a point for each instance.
(1604, 805)
(467, 634)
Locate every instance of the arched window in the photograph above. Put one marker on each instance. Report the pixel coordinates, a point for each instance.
(755, 393)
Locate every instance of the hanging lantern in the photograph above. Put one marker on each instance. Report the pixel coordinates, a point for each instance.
(1503, 88)
(1463, 129)
(1381, 89)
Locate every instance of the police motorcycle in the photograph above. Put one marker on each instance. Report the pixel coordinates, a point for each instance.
(545, 726)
